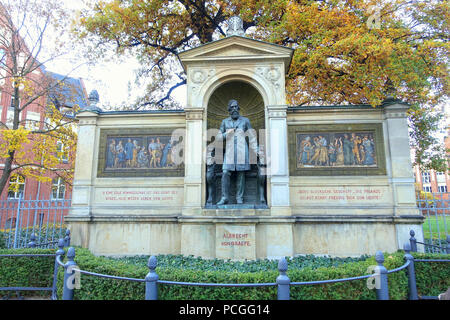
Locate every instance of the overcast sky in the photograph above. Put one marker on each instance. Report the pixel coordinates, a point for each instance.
(110, 79)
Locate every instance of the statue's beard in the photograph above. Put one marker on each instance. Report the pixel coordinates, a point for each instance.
(235, 115)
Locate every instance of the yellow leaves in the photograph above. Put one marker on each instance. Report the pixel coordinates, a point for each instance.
(26, 86)
(16, 181)
(13, 141)
(37, 154)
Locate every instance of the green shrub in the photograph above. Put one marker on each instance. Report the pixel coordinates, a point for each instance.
(196, 263)
(26, 271)
(100, 288)
(432, 278)
(2, 240)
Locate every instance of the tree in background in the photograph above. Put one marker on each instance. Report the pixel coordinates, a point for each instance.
(346, 51)
(37, 136)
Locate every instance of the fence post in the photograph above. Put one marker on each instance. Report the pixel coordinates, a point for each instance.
(413, 241)
(283, 280)
(383, 290)
(18, 221)
(32, 243)
(411, 273)
(67, 238)
(59, 253)
(69, 275)
(151, 280)
(447, 250)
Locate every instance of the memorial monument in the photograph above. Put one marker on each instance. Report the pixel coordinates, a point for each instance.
(237, 159)
(333, 180)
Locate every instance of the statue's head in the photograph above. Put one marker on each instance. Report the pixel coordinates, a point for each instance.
(233, 108)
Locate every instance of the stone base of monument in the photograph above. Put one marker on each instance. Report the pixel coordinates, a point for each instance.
(239, 234)
(235, 241)
(236, 206)
(235, 210)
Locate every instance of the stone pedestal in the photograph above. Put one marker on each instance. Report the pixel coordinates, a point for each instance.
(237, 234)
(235, 241)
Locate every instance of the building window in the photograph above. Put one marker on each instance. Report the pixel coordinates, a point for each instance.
(440, 176)
(61, 153)
(427, 188)
(58, 189)
(425, 177)
(16, 187)
(442, 188)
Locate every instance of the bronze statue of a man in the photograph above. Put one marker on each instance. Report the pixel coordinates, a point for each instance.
(234, 130)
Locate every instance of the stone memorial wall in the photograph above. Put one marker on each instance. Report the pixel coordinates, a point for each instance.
(336, 180)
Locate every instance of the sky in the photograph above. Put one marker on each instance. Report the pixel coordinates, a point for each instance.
(110, 79)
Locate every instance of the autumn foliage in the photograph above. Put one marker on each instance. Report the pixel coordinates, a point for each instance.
(346, 51)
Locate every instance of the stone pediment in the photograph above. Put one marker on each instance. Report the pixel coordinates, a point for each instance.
(236, 48)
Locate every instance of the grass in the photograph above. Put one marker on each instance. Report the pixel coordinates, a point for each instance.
(437, 227)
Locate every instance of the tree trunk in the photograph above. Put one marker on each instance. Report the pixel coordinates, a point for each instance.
(7, 169)
(4, 179)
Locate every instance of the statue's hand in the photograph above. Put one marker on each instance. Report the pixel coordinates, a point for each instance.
(221, 136)
(262, 157)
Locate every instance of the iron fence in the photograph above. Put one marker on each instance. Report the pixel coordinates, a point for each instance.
(443, 248)
(435, 207)
(282, 282)
(20, 219)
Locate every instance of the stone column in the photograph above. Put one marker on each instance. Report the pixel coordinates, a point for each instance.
(193, 149)
(85, 172)
(401, 173)
(278, 170)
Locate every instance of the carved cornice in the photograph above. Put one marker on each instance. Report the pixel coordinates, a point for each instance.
(395, 110)
(277, 111)
(87, 122)
(194, 113)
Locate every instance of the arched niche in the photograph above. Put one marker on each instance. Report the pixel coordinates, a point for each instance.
(252, 107)
(248, 97)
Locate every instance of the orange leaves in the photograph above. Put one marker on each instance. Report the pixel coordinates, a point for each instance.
(341, 60)
(345, 51)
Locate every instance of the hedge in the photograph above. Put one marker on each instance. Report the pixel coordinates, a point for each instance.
(432, 279)
(196, 263)
(26, 271)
